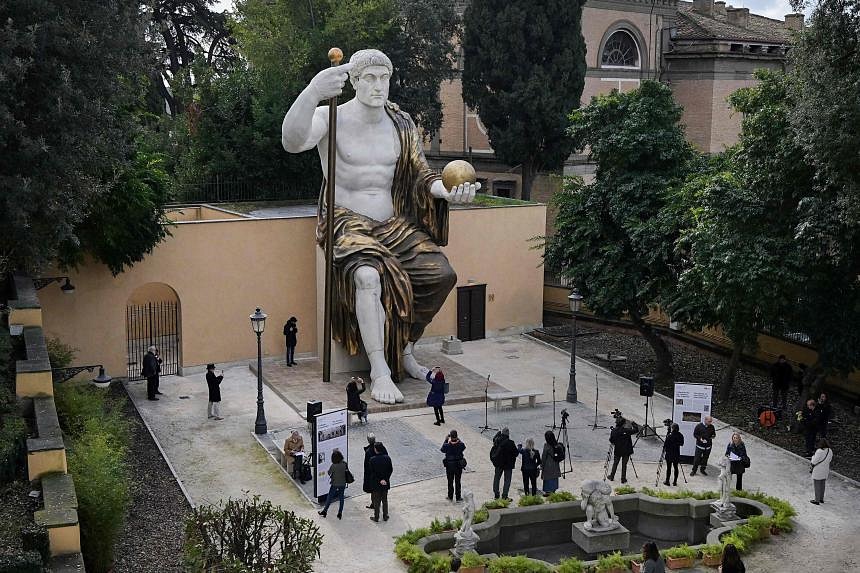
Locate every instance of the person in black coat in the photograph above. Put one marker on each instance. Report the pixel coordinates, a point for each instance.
(825, 412)
(704, 434)
(354, 403)
(214, 383)
(738, 466)
(781, 375)
(367, 484)
(290, 332)
(436, 396)
(810, 424)
(454, 463)
(151, 370)
(672, 447)
(380, 471)
(504, 455)
(530, 466)
(621, 438)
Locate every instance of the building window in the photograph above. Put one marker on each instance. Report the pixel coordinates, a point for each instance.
(620, 51)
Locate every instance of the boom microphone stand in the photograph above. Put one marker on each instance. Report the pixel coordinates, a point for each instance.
(486, 425)
(596, 398)
(554, 426)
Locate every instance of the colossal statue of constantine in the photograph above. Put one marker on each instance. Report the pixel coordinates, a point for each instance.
(390, 217)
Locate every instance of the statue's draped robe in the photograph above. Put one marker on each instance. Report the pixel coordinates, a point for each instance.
(416, 277)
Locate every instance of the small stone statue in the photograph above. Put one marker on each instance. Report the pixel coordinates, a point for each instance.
(596, 501)
(465, 539)
(725, 480)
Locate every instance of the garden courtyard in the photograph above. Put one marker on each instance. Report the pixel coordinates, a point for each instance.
(215, 460)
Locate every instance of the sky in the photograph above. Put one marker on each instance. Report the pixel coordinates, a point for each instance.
(776, 9)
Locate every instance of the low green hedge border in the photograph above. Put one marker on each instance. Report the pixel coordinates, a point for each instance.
(742, 536)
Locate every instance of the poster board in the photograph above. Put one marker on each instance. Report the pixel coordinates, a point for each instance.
(330, 433)
(692, 402)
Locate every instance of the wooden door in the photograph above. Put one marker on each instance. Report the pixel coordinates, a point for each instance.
(471, 312)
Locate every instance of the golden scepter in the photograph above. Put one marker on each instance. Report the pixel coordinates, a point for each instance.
(335, 55)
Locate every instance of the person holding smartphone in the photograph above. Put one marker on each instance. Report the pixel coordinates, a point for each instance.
(214, 383)
(454, 463)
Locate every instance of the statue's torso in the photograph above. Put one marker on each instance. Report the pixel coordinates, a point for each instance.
(366, 158)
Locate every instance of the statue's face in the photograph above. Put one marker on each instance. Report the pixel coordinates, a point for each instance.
(371, 88)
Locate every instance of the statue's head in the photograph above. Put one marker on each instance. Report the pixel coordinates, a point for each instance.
(590, 486)
(370, 75)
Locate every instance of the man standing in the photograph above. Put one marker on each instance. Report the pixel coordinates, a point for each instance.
(214, 383)
(621, 438)
(504, 455)
(381, 470)
(150, 371)
(809, 418)
(390, 277)
(290, 331)
(367, 483)
(704, 433)
(781, 375)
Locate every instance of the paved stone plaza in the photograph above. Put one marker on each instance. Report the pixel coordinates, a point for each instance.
(215, 459)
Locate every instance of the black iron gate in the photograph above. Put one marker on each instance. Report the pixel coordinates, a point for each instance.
(152, 324)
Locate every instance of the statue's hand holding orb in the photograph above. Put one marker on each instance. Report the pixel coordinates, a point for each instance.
(459, 182)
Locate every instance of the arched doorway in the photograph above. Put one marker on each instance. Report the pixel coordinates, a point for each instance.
(152, 318)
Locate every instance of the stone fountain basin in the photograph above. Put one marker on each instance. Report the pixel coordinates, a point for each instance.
(516, 530)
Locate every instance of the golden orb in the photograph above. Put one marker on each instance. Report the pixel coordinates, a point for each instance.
(335, 55)
(458, 172)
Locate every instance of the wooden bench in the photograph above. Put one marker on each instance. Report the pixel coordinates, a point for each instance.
(514, 397)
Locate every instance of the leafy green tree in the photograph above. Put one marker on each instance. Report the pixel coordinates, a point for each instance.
(615, 237)
(524, 71)
(69, 72)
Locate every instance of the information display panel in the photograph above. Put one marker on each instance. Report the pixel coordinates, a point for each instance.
(692, 403)
(330, 433)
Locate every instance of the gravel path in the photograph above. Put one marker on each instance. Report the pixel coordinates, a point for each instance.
(699, 366)
(16, 509)
(152, 536)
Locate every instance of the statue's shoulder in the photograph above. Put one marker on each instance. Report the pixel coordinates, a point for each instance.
(399, 113)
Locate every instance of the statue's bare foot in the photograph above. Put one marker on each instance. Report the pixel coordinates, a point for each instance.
(385, 391)
(411, 366)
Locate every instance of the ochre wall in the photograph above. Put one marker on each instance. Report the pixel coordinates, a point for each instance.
(222, 270)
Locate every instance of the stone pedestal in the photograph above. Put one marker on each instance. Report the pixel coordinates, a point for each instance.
(600, 541)
(452, 346)
(341, 361)
(723, 514)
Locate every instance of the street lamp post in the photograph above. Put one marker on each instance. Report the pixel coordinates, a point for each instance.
(575, 300)
(258, 324)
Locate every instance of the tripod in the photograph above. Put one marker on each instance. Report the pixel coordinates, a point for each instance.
(486, 425)
(647, 430)
(596, 398)
(563, 439)
(663, 457)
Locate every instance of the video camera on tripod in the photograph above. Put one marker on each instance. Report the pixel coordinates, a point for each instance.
(564, 416)
(667, 423)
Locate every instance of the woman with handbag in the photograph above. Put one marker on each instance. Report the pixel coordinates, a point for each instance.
(737, 454)
(530, 466)
(339, 475)
(819, 467)
(454, 463)
(436, 396)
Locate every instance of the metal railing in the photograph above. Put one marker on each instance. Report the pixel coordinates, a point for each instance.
(240, 190)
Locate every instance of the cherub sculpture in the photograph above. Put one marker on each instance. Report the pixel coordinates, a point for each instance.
(596, 501)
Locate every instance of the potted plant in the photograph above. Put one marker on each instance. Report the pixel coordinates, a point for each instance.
(529, 500)
(471, 562)
(636, 566)
(570, 565)
(680, 557)
(762, 524)
(611, 563)
(712, 555)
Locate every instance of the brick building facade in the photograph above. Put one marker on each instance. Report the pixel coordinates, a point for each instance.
(704, 50)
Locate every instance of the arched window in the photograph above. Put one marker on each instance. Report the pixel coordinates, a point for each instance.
(620, 51)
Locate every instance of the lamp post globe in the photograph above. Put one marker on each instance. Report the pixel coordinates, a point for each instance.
(258, 325)
(575, 300)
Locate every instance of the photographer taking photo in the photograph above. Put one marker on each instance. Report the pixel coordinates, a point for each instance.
(621, 438)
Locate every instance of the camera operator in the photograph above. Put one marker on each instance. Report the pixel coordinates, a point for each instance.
(704, 434)
(621, 439)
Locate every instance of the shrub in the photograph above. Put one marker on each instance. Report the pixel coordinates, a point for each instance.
(60, 355)
(250, 534)
(783, 522)
(413, 535)
(472, 559)
(561, 496)
(13, 433)
(98, 466)
(497, 504)
(481, 515)
(680, 551)
(448, 524)
(25, 562)
(711, 550)
(759, 522)
(611, 561)
(527, 500)
(517, 564)
(570, 565)
(625, 489)
(732, 539)
(80, 404)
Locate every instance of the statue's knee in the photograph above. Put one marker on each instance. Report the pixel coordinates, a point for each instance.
(448, 276)
(366, 278)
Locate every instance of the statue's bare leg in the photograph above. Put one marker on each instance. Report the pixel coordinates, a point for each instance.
(371, 323)
(411, 365)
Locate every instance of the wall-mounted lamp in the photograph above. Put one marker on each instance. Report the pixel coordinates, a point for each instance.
(61, 375)
(67, 288)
